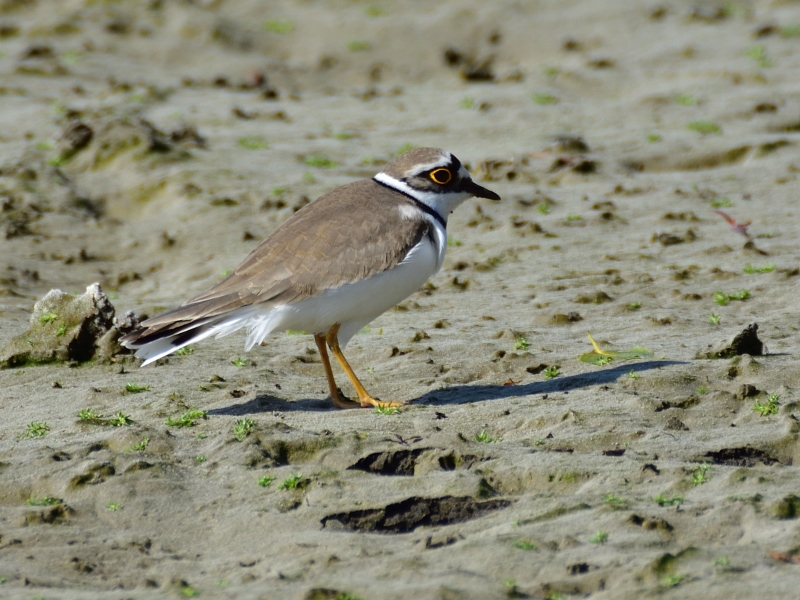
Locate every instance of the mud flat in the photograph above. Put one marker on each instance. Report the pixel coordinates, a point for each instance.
(148, 146)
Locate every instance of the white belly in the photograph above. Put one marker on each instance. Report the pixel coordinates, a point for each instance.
(352, 305)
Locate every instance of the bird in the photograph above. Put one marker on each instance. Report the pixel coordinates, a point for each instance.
(331, 268)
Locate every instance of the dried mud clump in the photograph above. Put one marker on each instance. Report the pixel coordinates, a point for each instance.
(68, 328)
(745, 342)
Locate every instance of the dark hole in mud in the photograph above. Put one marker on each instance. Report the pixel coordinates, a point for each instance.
(407, 515)
(453, 461)
(400, 462)
(741, 457)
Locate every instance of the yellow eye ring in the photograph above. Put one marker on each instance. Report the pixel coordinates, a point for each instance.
(441, 176)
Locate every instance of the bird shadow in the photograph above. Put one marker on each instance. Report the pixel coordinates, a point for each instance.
(460, 394)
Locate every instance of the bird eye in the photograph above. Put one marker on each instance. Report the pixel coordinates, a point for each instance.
(441, 176)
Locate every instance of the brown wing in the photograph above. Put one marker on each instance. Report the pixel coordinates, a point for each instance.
(349, 234)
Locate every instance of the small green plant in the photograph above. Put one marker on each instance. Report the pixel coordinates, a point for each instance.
(702, 390)
(484, 438)
(187, 419)
(723, 299)
(687, 100)
(752, 269)
(544, 208)
(185, 351)
(321, 162)
(48, 317)
(141, 446)
(279, 26)
(551, 371)
(653, 137)
(633, 375)
(36, 429)
(525, 545)
(701, 474)
(468, 103)
(721, 203)
(770, 407)
(453, 242)
(572, 217)
(544, 99)
(113, 506)
(705, 127)
(599, 537)
(634, 306)
(253, 143)
(120, 420)
(383, 409)
(87, 415)
(188, 591)
(293, 482)
(358, 45)
(243, 428)
(62, 329)
(200, 459)
(721, 561)
(615, 502)
(135, 388)
(240, 362)
(375, 11)
(672, 580)
(714, 319)
(664, 500)
(43, 501)
(266, 480)
(758, 53)
(520, 343)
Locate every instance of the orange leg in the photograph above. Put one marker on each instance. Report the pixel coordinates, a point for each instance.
(338, 401)
(363, 396)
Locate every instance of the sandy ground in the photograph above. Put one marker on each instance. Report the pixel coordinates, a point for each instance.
(612, 130)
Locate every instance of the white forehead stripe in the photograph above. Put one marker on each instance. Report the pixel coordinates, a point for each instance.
(444, 161)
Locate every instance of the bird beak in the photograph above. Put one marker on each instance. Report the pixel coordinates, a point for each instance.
(472, 188)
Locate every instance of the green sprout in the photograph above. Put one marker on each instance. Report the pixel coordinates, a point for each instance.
(48, 317)
(62, 329)
(140, 446)
(544, 99)
(672, 580)
(200, 459)
(702, 390)
(701, 474)
(321, 162)
(135, 388)
(551, 371)
(687, 100)
(239, 362)
(468, 103)
(484, 438)
(758, 53)
(543, 208)
(87, 415)
(43, 501)
(279, 26)
(187, 419)
(113, 506)
(599, 537)
(293, 482)
(266, 480)
(385, 409)
(633, 375)
(752, 269)
(243, 428)
(119, 420)
(185, 351)
(572, 217)
(520, 343)
(36, 429)
(634, 306)
(525, 545)
(714, 318)
(358, 45)
(723, 299)
(615, 502)
(664, 500)
(253, 143)
(770, 407)
(705, 127)
(723, 202)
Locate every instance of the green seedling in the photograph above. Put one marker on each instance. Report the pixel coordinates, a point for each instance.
(602, 357)
(321, 162)
(188, 591)
(615, 502)
(48, 318)
(705, 127)
(714, 318)
(551, 371)
(701, 474)
(87, 415)
(634, 306)
(141, 446)
(484, 438)
(599, 537)
(544, 99)
(187, 419)
(702, 390)
(120, 419)
(752, 269)
(653, 137)
(521, 343)
(382, 409)
(185, 351)
(543, 208)
(266, 480)
(538, 442)
(687, 100)
(62, 329)
(200, 459)
(453, 242)
(293, 482)
(572, 217)
(525, 545)
(36, 429)
(135, 388)
(239, 362)
(723, 299)
(770, 407)
(279, 26)
(721, 561)
(468, 103)
(243, 428)
(113, 506)
(43, 501)
(721, 203)
(664, 500)
(253, 143)
(672, 580)
(358, 45)
(633, 375)
(758, 53)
